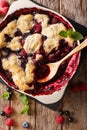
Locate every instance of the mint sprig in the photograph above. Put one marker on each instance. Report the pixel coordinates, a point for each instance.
(26, 103)
(5, 95)
(71, 33)
(63, 33)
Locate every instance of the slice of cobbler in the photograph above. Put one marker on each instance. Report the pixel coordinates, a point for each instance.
(29, 38)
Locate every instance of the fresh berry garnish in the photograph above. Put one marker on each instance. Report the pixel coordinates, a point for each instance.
(3, 3)
(8, 110)
(67, 113)
(75, 88)
(25, 124)
(8, 89)
(9, 122)
(2, 113)
(4, 10)
(82, 87)
(61, 112)
(1, 12)
(59, 119)
(70, 119)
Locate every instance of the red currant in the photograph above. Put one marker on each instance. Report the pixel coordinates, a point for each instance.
(9, 122)
(59, 119)
(8, 110)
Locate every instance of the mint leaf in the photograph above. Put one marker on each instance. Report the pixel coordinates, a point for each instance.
(5, 95)
(63, 33)
(24, 110)
(23, 98)
(26, 107)
(71, 33)
(76, 35)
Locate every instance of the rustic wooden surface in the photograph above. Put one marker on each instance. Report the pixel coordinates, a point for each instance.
(43, 118)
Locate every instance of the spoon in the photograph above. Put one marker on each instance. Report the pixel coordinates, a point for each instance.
(53, 67)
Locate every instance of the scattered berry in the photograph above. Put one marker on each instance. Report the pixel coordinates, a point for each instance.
(70, 119)
(61, 112)
(59, 119)
(82, 87)
(25, 124)
(8, 89)
(4, 10)
(4, 6)
(75, 88)
(1, 12)
(67, 113)
(2, 113)
(8, 110)
(3, 3)
(9, 122)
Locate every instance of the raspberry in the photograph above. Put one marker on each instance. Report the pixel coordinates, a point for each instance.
(75, 88)
(1, 12)
(3, 3)
(59, 119)
(82, 87)
(4, 10)
(9, 122)
(8, 110)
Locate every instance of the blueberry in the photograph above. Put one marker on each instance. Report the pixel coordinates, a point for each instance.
(2, 113)
(70, 119)
(67, 113)
(8, 89)
(61, 112)
(25, 124)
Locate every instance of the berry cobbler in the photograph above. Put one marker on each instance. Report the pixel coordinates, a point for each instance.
(29, 39)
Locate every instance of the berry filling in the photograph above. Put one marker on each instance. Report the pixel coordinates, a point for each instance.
(32, 45)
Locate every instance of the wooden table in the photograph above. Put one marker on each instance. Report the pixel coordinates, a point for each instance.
(43, 118)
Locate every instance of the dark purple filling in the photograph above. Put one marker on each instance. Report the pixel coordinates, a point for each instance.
(42, 71)
(66, 69)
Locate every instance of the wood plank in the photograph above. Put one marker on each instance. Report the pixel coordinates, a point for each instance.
(3, 104)
(75, 9)
(52, 4)
(76, 103)
(45, 118)
(18, 118)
